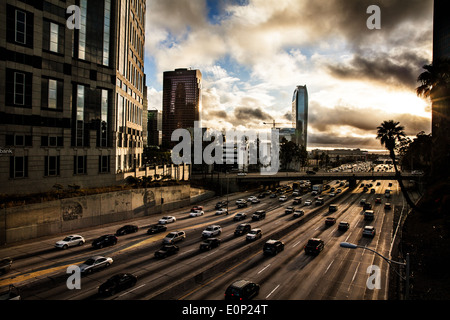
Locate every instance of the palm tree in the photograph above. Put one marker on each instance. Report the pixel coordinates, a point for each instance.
(435, 81)
(391, 134)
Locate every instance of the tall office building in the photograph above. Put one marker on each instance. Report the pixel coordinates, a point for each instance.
(71, 98)
(154, 127)
(300, 115)
(181, 102)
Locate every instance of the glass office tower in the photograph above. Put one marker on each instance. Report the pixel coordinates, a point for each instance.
(300, 115)
(181, 102)
(72, 98)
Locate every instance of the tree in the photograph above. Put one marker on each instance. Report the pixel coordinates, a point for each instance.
(391, 134)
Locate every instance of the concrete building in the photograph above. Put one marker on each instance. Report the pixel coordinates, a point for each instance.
(72, 99)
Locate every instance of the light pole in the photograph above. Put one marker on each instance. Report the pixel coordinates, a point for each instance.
(349, 245)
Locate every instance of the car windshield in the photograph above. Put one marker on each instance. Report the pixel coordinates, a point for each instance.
(253, 232)
(313, 242)
(209, 229)
(67, 239)
(89, 262)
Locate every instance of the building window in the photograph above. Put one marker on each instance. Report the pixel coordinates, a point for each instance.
(52, 93)
(79, 164)
(82, 31)
(52, 141)
(80, 116)
(106, 32)
(21, 27)
(51, 166)
(54, 34)
(19, 88)
(103, 164)
(18, 167)
(104, 119)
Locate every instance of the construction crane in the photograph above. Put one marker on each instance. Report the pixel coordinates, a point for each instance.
(276, 123)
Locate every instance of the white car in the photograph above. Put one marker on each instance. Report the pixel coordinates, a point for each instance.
(242, 174)
(221, 211)
(70, 241)
(282, 198)
(212, 231)
(168, 219)
(253, 234)
(196, 213)
(96, 262)
(250, 199)
(308, 202)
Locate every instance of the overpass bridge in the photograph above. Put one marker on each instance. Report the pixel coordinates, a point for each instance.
(236, 182)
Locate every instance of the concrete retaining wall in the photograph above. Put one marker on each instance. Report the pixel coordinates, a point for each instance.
(43, 219)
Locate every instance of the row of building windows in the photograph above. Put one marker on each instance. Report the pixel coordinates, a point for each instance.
(52, 166)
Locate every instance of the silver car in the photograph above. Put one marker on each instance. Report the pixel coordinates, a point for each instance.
(70, 241)
(94, 263)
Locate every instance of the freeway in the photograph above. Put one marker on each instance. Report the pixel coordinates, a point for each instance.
(39, 270)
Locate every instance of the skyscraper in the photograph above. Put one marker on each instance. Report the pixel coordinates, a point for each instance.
(72, 99)
(181, 102)
(300, 115)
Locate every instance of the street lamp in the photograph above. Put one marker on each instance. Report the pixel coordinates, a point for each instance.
(349, 245)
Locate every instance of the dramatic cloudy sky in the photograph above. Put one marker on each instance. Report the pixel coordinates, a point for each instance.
(253, 53)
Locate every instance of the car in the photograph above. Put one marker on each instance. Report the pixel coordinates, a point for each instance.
(387, 206)
(308, 202)
(167, 250)
(310, 172)
(261, 195)
(254, 234)
(221, 204)
(372, 190)
(5, 265)
(240, 216)
(95, 263)
(314, 246)
(289, 210)
(298, 213)
(242, 205)
(167, 219)
(332, 208)
(195, 208)
(362, 202)
(332, 194)
(251, 198)
(209, 244)
(174, 236)
(242, 173)
(368, 215)
(241, 229)
(273, 247)
(70, 241)
(221, 211)
(254, 201)
(297, 200)
(242, 290)
(282, 198)
(329, 221)
(319, 201)
(259, 215)
(157, 228)
(273, 195)
(104, 241)
(126, 229)
(369, 231)
(117, 283)
(343, 226)
(377, 200)
(196, 213)
(241, 202)
(367, 206)
(338, 191)
(211, 231)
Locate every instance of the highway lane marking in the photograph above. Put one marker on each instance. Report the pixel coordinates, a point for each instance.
(263, 268)
(354, 276)
(329, 266)
(295, 244)
(132, 290)
(272, 291)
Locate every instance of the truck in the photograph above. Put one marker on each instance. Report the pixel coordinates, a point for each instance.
(318, 188)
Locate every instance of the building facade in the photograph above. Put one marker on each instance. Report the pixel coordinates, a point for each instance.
(71, 99)
(154, 127)
(181, 103)
(300, 115)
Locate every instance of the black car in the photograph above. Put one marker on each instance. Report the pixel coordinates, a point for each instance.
(104, 241)
(314, 246)
(272, 247)
(157, 228)
(167, 250)
(221, 204)
(126, 230)
(310, 172)
(259, 215)
(242, 290)
(239, 216)
(242, 229)
(117, 283)
(209, 243)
